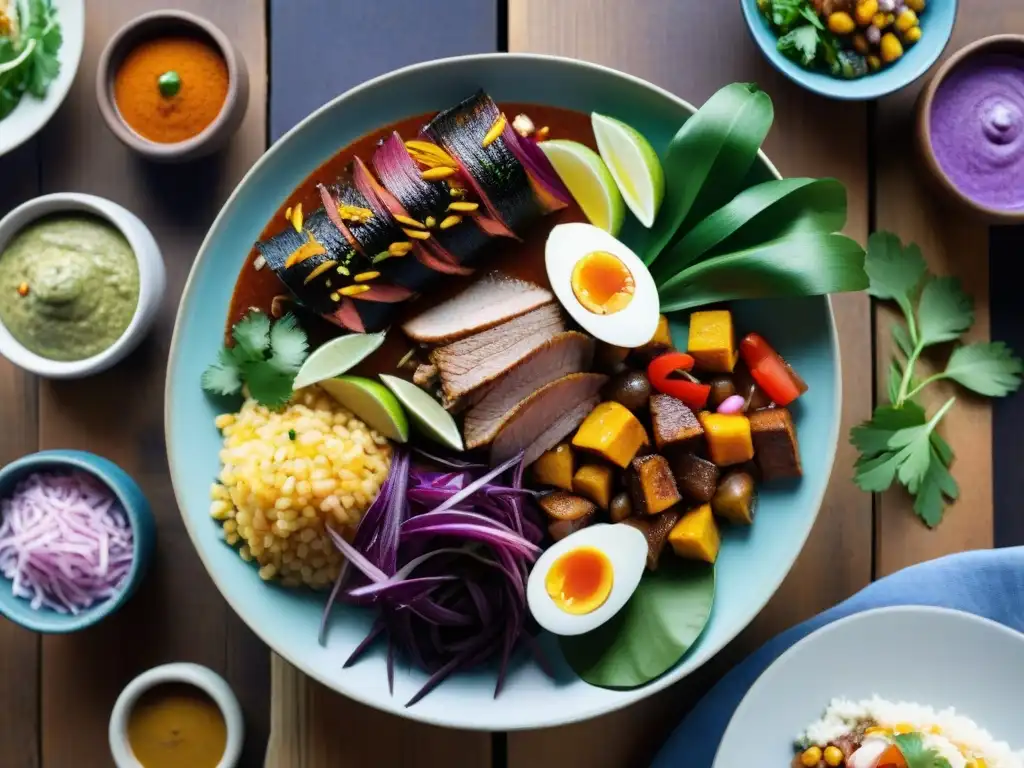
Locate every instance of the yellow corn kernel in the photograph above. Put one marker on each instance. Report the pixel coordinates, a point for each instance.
(912, 35)
(811, 757)
(841, 23)
(874, 63)
(882, 20)
(901, 728)
(876, 730)
(906, 20)
(860, 44)
(866, 9)
(891, 48)
(833, 756)
(916, 5)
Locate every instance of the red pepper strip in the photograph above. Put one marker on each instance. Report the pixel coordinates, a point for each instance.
(772, 374)
(663, 366)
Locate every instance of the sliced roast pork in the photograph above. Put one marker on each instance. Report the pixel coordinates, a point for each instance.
(542, 420)
(569, 352)
(493, 299)
(473, 362)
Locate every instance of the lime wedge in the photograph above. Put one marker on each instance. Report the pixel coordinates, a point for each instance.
(426, 412)
(589, 182)
(336, 357)
(633, 164)
(371, 402)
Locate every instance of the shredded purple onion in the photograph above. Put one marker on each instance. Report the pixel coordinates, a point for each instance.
(444, 556)
(65, 542)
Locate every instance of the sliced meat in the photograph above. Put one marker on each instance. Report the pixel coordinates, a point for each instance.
(468, 364)
(493, 299)
(569, 352)
(542, 420)
(425, 375)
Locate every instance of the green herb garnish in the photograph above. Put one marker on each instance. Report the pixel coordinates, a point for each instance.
(265, 358)
(804, 39)
(900, 442)
(291, 434)
(911, 746)
(169, 84)
(28, 56)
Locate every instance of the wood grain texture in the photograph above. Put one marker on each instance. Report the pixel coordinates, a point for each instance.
(177, 615)
(19, 435)
(692, 50)
(952, 243)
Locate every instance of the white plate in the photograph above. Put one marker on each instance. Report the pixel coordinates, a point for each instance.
(933, 656)
(32, 114)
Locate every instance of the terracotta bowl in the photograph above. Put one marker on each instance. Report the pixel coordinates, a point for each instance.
(1011, 44)
(163, 24)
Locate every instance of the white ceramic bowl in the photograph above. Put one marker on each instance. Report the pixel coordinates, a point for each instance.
(932, 656)
(152, 282)
(202, 678)
(32, 114)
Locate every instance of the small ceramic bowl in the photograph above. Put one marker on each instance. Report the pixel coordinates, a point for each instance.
(152, 282)
(164, 24)
(997, 44)
(206, 680)
(936, 27)
(140, 517)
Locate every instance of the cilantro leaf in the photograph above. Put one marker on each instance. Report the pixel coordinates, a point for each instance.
(223, 377)
(989, 369)
(873, 436)
(938, 485)
(800, 45)
(911, 746)
(268, 384)
(944, 311)
(811, 15)
(785, 12)
(252, 335)
(288, 344)
(875, 474)
(29, 63)
(894, 272)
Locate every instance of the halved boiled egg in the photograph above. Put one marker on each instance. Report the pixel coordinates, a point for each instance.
(586, 578)
(602, 284)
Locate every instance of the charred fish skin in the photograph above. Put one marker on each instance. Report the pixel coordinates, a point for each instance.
(498, 177)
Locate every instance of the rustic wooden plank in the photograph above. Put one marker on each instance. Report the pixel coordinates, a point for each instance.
(693, 49)
(178, 613)
(955, 244)
(19, 649)
(375, 38)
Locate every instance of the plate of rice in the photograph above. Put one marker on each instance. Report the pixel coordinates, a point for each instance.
(898, 687)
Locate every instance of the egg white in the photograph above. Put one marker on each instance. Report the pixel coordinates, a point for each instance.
(626, 550)
(632, 326)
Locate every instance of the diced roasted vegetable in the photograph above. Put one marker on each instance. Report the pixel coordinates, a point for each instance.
(594, 482)
(695, 477)
(641, 357)
(655, 529)
(728, 437)
(735, 499)
(631, 388)
(722, 387)
(612, 432)
(771, 372)
(651, 485)
(560, 505)
(747, 388)
(776, 449)
(559, 529)
(660, 342)
(620, 508)
(674, 424)
(555, 467)
(712, 341)
(695, 536)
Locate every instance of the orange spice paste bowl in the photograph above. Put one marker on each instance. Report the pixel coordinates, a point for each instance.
(172, 86)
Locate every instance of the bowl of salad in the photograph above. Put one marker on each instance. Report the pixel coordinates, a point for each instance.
(851, 49)
(40, 48)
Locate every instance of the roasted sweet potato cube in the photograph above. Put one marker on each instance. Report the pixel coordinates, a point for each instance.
(776, 450)
(594, 482)
(712, 343)
(728, 437)
(651, 485)
(695, 536)
(555, 467)
(612, 432)
(695, 477)
(655, 529)
(560, 505)
(674, 424)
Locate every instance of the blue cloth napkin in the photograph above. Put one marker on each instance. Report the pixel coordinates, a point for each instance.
(987, 583)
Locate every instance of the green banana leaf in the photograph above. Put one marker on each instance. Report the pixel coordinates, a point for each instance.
(800, 264)
(760, 214)
(708, 159)
(654, 630)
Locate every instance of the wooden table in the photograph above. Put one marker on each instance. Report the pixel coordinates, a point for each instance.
(56, 692)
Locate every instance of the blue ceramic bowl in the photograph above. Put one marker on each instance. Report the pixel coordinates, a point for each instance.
(936, 29)
(752, 563)
(140, 517)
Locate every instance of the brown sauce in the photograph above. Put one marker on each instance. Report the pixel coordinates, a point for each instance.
(174, 725)
(257, 288)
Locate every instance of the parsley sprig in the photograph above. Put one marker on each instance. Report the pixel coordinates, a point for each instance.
(264, 358)
(911, 746)
(28, 57)
(900, 442)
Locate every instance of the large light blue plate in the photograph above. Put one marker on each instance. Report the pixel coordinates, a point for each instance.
(752, 563)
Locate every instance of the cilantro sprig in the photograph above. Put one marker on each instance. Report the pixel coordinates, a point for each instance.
(911, 746)
(28, 55)
(900, 442)
(264, 358)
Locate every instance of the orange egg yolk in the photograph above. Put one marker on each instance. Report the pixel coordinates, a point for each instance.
(580, 580)
(602, 283)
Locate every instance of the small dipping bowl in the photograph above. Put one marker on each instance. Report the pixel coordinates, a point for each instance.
(202, 678)
(163, 24)
(987, 116)
(152, 281)
(140, 518)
